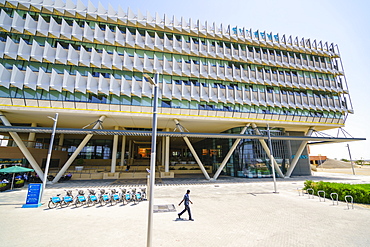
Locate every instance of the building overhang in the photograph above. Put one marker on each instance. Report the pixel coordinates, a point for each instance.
(312, 140)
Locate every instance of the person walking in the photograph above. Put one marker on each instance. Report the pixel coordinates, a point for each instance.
(186, 201)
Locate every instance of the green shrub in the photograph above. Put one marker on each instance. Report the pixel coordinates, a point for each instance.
(359, 192)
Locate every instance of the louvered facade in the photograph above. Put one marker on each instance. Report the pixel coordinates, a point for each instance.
(70, 58)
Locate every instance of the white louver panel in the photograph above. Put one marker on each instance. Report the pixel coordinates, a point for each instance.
(117, 62)
(85, 57)
(149, 43)
(103, 85)
(56, 82)
(73, 56)
(136, 88)
(194, 71)
(229, 96)
(147, 90)
(139, 40)
(81, 83)
(98, 34)
(157, 67)
(213, 94)
(127, 62)
(184, 68)
(119, 39)
(30, 25)
(138, 64)
(68, 82)
(95, 58)
(17, 78)
(77, 31)
(106, 60)
(125, 87)
(92, 84)
(114, 86)
(166, 91)
(147, 66)
(54, 28)
(221, 95)
(30, 79)
(42, 27)
(203, 93)
(11, 49)
(88, 35)
(49, 53)
(185, 92)
(18, 23)
(24, 50)
(43, 80)
(246, 96)
(5, 76)
(6, 21)
(238, 96)
(194, 92)
(203, 71)
(61, 55)
(176, 92)
(65, 30)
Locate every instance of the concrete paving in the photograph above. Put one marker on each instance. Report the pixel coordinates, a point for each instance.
(229, 212)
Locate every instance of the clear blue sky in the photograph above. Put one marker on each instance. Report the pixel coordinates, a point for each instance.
(345, 23)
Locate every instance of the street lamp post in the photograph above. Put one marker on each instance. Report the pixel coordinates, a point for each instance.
(350, 159)
(152, 157)
(271, 157)
(55, 119)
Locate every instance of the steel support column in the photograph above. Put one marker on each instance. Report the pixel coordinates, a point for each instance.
(167, 153)
(228, 155)
(114, 152)
(77, 151)
(23, 148)
(298, 154)
(267, 150)
(61, 141)
(32, 137)
(123, 151)
(192, 151)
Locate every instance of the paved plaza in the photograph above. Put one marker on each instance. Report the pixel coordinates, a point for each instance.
(229, 212)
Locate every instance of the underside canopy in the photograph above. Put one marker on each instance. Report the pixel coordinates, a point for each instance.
(311, 139)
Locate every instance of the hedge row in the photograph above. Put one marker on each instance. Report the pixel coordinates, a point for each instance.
(359, 192)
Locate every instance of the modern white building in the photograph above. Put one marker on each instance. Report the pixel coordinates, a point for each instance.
(221, 85)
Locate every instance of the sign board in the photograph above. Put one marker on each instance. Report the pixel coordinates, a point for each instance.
(33, 196)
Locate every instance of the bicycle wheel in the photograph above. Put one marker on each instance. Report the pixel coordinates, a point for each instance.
(113, 202)
(89, 202)
(78, 203)
(102, 202)
(52, 205)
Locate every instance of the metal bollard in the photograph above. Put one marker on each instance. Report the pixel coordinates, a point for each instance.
(345, 198)
(300, 191)
(321, 192)
(336, 199)
(308, 192)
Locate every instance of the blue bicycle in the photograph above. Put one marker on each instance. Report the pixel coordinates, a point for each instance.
(104, 197)
(80, 199)
(92, 199)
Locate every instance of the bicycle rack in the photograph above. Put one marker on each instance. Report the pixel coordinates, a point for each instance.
(332, 197)
(321, 192)
(345, 198)
(300, 192)
(308, 192)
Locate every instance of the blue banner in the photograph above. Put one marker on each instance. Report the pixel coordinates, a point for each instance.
(33, 196)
